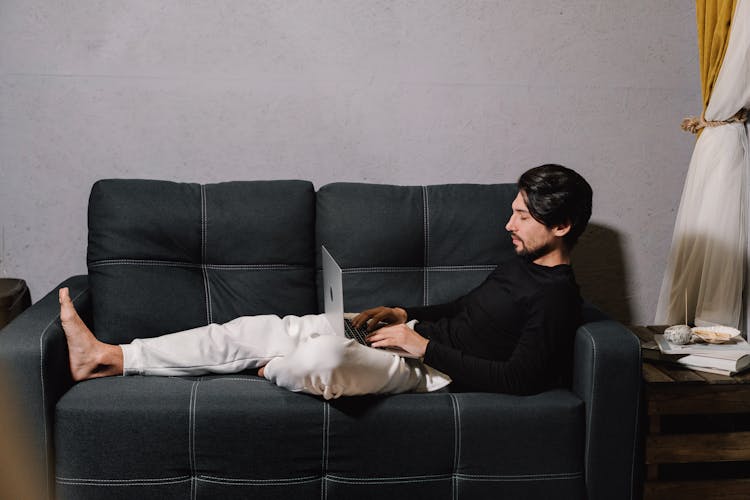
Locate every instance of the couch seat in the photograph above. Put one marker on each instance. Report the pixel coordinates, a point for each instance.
(240, 436)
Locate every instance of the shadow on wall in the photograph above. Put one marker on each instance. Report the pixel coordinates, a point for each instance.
(600, 271)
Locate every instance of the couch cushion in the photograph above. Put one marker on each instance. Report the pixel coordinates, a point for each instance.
(166, 256)
(413, 245)
(240, 436)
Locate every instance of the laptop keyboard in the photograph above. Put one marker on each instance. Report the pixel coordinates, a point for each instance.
(358, 334)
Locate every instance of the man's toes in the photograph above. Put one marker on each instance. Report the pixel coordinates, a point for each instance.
(68, 311)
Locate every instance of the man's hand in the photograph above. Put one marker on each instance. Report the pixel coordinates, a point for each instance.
(399, 336)
(376, 315)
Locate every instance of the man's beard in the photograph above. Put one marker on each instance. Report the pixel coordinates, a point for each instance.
(534, 254)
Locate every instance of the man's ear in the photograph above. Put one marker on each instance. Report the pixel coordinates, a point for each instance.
(561, 230)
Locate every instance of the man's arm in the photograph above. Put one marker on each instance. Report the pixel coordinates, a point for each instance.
(398, 315)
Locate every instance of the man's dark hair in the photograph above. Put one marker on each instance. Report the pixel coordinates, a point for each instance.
(557, 195)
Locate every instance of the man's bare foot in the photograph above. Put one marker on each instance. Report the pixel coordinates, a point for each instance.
(89, 358)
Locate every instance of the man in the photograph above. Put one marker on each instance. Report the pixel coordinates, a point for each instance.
(513, 333)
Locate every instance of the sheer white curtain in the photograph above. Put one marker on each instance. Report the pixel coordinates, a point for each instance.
(707, 260)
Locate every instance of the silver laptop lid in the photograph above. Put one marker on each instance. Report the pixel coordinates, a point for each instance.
(333, 299)
(333, 296)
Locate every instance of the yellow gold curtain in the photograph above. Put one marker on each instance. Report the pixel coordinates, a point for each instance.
(714, 18)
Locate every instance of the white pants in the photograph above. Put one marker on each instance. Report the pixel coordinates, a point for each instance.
(302, 354)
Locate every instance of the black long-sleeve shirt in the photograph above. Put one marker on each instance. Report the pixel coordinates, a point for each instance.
(512, 334)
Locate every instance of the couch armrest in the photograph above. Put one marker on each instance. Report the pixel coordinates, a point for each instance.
(607, 377)
(34, 363)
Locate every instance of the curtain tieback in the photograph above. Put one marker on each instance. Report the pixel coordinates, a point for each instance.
(693, 124)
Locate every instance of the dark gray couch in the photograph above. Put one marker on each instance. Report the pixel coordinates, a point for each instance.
(165, 256)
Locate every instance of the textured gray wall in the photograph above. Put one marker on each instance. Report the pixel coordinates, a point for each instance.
(406, 92)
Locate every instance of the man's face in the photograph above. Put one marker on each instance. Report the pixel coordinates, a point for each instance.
(530, 237)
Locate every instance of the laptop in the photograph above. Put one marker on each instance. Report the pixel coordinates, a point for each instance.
(333, 299)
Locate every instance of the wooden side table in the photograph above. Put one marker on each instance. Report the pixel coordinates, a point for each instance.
(671, 390)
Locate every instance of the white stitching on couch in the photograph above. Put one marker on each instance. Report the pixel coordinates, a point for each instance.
(520, 477)
(354, 270)
(285, 267)
(389, 480)
(255, 379)
(589, 409)
(258, 482)
(326, 432)
(462, 477)
(123, 482)
(311, 479)
(468, 267)
(142, 262)
(426, 275)
(204, 227)
(456, 442)
(254, 267)
(636, 434)
(191, 265)
(204, 242)
(191, 438)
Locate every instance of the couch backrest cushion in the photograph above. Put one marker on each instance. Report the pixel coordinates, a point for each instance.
(166, 256)
(413, 245)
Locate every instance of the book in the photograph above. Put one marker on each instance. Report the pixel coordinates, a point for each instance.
(679, 360)
(737, 345)
(731, 362)
(716, 371)
(723, 359)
